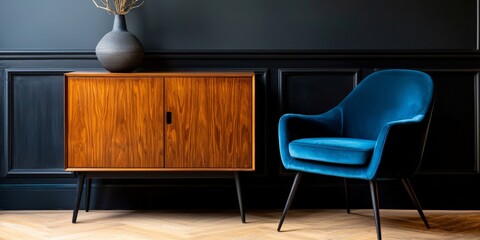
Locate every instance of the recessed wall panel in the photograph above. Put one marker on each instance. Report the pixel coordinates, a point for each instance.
(451, 141)
(35, 116)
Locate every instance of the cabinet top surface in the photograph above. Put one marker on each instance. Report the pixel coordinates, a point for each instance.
(161, 74)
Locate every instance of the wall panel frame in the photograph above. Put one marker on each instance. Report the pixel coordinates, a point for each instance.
(33, 123)
(456, 117)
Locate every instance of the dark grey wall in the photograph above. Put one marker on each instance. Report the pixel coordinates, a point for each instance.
(319, 48)
(183, 25)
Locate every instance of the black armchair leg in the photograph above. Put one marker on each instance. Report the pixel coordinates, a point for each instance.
(376, 212)
(347, 202)
(290, 199)
(87, 194)
(415, 201)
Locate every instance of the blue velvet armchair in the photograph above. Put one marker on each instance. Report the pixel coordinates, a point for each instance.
(378, 132)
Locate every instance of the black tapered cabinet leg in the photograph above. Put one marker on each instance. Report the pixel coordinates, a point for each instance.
(87, 194)
(80, 181)
(413, 197)
(376, 212)
(239, 195)
(347, 201)
(290, 199)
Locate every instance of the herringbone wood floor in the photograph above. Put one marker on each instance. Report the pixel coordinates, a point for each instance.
(299, 224)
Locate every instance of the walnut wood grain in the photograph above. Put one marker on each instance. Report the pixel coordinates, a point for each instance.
(114, 122)
(212, 122)
(189, 136)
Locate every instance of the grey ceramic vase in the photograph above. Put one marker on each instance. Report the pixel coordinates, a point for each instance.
(119, 50)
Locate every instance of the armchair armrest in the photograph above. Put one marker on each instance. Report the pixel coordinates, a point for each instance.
(399, 148)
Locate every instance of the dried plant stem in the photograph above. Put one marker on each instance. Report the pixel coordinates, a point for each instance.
(122, 7)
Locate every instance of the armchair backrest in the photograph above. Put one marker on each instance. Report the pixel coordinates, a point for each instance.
(382, 97)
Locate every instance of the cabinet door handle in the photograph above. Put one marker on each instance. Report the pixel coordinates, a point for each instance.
(169, 117)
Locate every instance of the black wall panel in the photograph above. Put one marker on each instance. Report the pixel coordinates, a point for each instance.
(35, 122)
(452, 142)
(33, 132)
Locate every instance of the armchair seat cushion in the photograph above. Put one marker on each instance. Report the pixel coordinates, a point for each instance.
(351, 151)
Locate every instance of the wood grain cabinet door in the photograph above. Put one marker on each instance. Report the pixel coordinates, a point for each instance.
(114, 122)
(212, 122)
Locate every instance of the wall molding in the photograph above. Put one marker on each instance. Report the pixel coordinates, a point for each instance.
(476, 108)
(257, 54)
(8, 166)
(8, 169)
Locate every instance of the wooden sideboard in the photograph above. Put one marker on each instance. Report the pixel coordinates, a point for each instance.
(160, 122)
